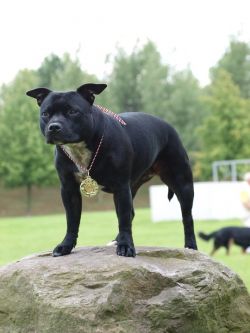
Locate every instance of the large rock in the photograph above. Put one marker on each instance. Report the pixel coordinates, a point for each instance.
(93, 290)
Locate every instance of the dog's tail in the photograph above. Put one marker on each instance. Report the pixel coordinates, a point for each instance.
(205, 236)
(170, 194)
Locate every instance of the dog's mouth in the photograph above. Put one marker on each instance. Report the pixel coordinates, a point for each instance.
(60, 137)
(56, 138)
(60, 141)
(54, 142)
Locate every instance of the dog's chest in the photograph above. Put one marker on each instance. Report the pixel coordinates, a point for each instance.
(79, 154)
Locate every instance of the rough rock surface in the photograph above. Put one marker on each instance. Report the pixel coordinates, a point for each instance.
(93, 290)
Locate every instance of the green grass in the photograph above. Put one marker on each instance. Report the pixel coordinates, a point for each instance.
(23, 236)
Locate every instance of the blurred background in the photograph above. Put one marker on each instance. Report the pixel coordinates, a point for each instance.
(187, 62)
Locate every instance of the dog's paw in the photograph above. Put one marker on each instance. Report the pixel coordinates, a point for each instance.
(112, 243)
(62, 250)
(125, 250)
(191, 245)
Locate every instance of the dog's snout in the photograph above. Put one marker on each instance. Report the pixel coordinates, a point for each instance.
(54, 127)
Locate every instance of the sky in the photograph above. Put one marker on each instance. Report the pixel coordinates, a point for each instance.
(187, 33)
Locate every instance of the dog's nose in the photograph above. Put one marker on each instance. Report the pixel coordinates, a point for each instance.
(54, 127)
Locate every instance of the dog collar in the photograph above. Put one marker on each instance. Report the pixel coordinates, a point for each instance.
(111, 114)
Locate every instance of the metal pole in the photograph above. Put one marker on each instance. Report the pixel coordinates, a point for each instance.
(234, 172)
(232, 165)
(215, 172)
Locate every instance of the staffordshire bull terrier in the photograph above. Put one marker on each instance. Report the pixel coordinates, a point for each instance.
(96, 148)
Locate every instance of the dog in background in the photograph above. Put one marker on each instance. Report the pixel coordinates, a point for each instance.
(226, 237)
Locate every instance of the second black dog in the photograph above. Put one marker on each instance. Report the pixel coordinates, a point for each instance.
(227, 236)
(119, 153)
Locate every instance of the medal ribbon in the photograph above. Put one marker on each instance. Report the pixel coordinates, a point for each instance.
(80, 167)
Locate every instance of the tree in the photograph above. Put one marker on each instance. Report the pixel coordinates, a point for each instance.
(62, 73)
(225, 132)
(153, 81)
(25, 159)
(139, 81)
(185, 109)
(124, 92)
(70, 76)
(50, 65)
(236, 61)
(65, 74)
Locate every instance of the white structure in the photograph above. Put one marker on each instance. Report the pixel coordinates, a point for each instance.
(212, 200)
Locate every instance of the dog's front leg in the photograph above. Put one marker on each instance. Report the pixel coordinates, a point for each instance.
(125, 213)
(72, 201)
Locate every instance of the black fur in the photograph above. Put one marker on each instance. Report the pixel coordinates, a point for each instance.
(129, 156)
(227, 236)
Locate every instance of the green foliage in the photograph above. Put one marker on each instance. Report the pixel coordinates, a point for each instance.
(152, 81)
(185, 109)
(139, 81)
(62, 73)
(24, 159)
(125, 95)
(49, 67)
(225, 132)
(236, 61)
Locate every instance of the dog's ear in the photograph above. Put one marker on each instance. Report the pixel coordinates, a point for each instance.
(39, 94)
(88, 91)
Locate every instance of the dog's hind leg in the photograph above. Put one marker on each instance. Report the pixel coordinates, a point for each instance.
(244, 250)
(179, 180)
(213, 251)
(228, 245)
(185, 196)
(216, 246)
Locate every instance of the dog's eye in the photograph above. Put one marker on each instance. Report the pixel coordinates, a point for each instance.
(72, 112)
(45, 114)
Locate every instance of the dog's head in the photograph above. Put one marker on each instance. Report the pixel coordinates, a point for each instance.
(66, 117)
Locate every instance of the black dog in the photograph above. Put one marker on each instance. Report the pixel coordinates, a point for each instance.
(120, 153)
(227, 236)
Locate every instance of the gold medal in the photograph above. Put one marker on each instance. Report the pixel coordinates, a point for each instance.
(89, 187)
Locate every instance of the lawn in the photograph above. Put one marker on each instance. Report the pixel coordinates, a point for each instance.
(23, 236)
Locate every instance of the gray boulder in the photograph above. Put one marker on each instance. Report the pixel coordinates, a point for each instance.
(93, 290)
